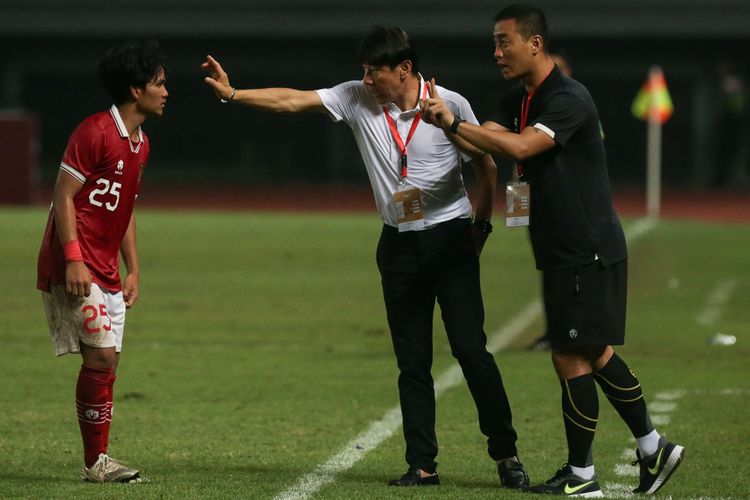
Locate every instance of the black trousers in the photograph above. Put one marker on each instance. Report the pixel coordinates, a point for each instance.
(416, 268)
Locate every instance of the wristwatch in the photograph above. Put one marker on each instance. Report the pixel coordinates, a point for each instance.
(484, 226)
(457, 120)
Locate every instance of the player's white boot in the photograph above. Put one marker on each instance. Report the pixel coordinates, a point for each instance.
(108, 470)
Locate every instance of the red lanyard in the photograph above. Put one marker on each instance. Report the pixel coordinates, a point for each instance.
(394, 132)
(525, 105)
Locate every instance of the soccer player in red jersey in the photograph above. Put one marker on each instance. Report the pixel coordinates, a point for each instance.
(91, 222)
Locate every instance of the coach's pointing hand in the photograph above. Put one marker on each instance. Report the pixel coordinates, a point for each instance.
(434, 110)
(217, 79)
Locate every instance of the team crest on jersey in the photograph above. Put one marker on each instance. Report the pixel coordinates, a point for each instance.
(120, 166)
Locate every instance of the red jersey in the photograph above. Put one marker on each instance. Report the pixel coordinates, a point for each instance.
(102, 157)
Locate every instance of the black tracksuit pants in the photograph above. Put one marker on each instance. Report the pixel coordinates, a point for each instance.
(416, 268)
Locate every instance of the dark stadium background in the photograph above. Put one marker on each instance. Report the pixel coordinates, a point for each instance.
(51, 49)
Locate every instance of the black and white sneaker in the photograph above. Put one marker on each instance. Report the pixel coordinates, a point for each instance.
(566, 483)
(657, 468)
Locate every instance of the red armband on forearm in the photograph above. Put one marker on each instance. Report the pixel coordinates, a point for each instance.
(72, 251)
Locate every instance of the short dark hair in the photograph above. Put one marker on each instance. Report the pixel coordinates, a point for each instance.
(134, 64)
(531, 21)
(388, 46)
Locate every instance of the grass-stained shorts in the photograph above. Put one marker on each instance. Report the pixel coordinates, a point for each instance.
(97, 320)
(585, 305)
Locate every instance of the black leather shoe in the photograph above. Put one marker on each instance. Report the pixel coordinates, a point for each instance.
(512, 474)
(414, 478)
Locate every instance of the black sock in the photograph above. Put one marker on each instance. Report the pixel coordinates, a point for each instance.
(623, 390)
(580, 406)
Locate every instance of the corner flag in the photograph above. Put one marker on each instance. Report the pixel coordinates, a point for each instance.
(653, 98)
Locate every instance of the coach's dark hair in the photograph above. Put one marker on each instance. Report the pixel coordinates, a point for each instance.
(134, 64)
(388, 46)
(531, 21)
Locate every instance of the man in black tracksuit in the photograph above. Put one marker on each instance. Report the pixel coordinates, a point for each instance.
(550, 126)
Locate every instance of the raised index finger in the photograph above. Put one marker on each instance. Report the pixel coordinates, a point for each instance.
(432, 88)
(211, 63)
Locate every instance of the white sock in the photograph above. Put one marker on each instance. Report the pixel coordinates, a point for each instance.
(648, 444)
(583, 472)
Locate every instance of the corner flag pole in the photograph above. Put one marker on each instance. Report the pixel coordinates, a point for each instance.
(653, 157)
(653, 104)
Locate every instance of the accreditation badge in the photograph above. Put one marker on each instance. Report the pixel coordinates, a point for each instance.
(517, 200)
(409, 211)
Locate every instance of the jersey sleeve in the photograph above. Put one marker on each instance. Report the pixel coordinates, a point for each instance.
(83, 152)
(342, 101)
(563, 114)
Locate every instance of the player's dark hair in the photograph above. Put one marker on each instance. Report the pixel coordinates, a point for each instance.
(134, 64)
(531, 21)
(388, 46)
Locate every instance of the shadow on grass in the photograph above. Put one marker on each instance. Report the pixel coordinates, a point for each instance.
(377, 479)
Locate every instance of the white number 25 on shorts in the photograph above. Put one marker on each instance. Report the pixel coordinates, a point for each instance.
(96, 320)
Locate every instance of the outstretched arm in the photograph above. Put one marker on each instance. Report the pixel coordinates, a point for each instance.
(490, 136)
(495, 138)
(280, 100)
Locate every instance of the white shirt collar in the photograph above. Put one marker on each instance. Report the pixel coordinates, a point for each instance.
(422, 95)
(121, 125)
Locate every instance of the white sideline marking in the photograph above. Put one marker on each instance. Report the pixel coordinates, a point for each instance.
(671, 395)
(662, 420)
(617, 490)
(641, 227)
(716, 300)
(727, 392)
(378, 432)
(661, 407)
(626, 470)
(382, 429)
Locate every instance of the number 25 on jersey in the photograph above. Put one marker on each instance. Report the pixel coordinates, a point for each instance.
(113, 188)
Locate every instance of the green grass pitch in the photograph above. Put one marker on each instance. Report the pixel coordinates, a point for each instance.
(259, 348)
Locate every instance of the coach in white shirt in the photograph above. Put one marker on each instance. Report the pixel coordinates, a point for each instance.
(429, 249)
